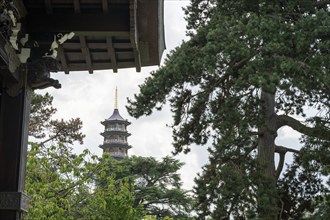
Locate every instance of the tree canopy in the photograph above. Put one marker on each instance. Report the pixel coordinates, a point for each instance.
(66, 185)
(157, 185)
(62, 186)
(249, 69)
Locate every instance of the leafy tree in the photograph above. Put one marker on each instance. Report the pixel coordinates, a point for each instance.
(249, 69)
(61, 183)
(152, 217)
(157, 185)
(62, 186)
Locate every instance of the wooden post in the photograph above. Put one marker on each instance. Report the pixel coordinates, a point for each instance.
(15, 100)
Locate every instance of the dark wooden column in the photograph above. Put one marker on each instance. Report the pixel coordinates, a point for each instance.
(14, 120)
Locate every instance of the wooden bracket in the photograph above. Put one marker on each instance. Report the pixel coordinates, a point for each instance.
(17, 201)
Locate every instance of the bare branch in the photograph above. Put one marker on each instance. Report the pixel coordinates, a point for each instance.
(282, 151)
(280, 165)
(317, 131)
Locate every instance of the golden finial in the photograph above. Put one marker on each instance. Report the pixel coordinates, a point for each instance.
(116, 99)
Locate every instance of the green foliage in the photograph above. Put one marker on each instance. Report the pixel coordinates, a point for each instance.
(157, 184)
(301, 191)
(231, 173)
(152, 217)
(43, 127)
(61, 186)
(115, 201)
(303, 187)
(64, 185)
(249, 68)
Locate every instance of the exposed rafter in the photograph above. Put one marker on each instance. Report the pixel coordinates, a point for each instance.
(76, 5)
(112, 54)
(105, 6)
(86, 53)
(134, 34)
(63, 60)
(110, 34)
(48, 5)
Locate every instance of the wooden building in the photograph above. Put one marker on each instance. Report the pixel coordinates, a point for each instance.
(42, 36)
(109, 34)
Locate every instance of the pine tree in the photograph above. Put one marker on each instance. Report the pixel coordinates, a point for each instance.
(248, 69)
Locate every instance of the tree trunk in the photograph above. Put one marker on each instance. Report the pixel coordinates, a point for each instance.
(267, 195)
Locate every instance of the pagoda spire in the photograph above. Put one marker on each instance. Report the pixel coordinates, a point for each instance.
(116, 98)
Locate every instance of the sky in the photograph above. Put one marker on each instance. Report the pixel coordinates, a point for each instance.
(91, 98)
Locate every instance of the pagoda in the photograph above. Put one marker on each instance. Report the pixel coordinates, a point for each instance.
(115, 134)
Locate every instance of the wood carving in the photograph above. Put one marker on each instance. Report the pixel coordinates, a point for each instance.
(39, 73)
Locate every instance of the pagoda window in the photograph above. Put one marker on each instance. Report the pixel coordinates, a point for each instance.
(116, 127)
(111, 127)
(120, 127)
(115, 139)
(123, 127)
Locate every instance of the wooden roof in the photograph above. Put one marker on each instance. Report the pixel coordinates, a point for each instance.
(109, 34)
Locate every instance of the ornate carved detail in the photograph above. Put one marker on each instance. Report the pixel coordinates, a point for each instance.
(14, 201)
(8, 15)
(58, 40)
(39, 73)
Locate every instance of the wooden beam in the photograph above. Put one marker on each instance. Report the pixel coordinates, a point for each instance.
(14, 124)
(112, 54)
(94, 45)
(48, 6)
(102, 33)
(134, 34)
(100, 66)
(86, 53)
(63, 59)
(105, 6)
(116, 22)
(76, 5)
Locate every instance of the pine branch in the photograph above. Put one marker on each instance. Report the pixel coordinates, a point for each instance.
(282, 151)
(317, 131)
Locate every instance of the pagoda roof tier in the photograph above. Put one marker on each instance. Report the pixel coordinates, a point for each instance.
(111, 145)
(115, 132)
(108, 122)
(108, 34)
(115, 118)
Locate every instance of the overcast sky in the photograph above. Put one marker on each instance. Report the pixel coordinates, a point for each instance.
(91, 98)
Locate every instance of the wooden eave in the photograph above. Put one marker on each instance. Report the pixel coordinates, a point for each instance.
(109, 34)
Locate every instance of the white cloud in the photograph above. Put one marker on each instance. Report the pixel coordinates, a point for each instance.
(288, 138)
